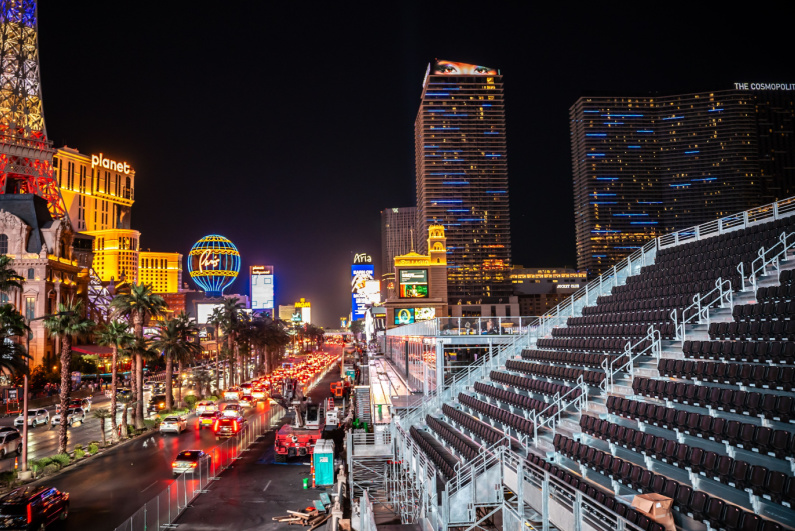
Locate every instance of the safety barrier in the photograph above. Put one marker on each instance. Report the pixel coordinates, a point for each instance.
(766, 257)
(163, 509)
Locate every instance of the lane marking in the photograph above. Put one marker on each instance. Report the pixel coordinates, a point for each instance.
(266, 486)
(150, 486)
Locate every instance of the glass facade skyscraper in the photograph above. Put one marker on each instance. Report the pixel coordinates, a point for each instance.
(462, 178)
(398, 229)
(645, 166)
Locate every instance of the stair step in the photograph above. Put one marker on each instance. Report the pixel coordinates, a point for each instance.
(598, 409)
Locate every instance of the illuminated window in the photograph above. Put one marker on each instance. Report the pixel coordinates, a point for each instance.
(30, 308)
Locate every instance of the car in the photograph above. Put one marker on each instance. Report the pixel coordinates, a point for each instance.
(8, 429)
(206, 420)
(232, 394)
(187, 461)
(232, 410)
(158, 403)
(206, 406)
(33, 507)
(174, 424)
(227, 427)
(10, 443)
(35, 418)
(84, 403)
(248, 401)
(73, 415)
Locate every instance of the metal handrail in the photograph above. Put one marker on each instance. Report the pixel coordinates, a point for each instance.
(654, 349)
(579, 401)
(761, 262)
(722, 292)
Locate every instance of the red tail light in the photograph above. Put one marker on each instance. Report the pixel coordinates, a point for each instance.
(174, 464)
(193, 465)
(235, 424)
(215, 426)
(30, 514)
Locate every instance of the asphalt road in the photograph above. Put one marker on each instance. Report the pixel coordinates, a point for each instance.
(255, 489)
(106, 490)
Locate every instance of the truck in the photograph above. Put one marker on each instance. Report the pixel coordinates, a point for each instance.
(299, 438)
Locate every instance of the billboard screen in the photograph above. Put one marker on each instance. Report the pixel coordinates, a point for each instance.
(424, 314)
(262, 288)
(204, 311)
(413, 283)
(360, 274)
(453, 68)
(404, 316)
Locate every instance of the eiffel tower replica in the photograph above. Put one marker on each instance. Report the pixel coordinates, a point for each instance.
(25, 152)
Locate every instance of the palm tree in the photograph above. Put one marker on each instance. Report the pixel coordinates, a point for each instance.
(138, 305)
(126, 403)
(216, 320)
(170, 340)
(190, 333)
(13, 355)
(9, 279)
(68, 324)
(104, 414)
(232, 310)
(116, 335)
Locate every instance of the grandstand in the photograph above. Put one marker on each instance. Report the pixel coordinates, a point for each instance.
(672, 374)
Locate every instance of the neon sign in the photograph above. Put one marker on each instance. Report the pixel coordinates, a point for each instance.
(213, 264)
(99, 160)
(362, 258)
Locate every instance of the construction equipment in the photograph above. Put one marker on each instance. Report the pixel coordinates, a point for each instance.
(299, 438)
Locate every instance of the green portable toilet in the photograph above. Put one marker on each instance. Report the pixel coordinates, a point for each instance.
(323, 458)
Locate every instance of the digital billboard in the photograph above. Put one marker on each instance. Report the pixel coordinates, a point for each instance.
(360, 274)
(413, 283)
(262, 294)
(453, 68)
(424, 314)
(204, 311)
(404, 316)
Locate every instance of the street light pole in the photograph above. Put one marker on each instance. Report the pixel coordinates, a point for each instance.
(24, 468)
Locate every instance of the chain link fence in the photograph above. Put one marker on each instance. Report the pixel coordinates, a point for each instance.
(163, 509)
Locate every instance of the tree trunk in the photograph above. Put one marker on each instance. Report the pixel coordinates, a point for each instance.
(217, 372)
(180, 368)
(133, 386)
(231, 343)
(66, 390)
(123, 434)
(113, 384)
(169, 386)
(139, 375)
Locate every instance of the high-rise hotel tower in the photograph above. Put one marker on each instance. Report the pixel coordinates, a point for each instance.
(462, 178)
(649, 165)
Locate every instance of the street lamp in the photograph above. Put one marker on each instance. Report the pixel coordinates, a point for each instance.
(24, 468)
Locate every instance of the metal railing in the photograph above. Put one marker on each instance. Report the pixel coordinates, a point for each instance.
(163, 509)
(626, 362)
(580, 401)
(699, 311)
(765, 258)
(732, 222)
(366, 515)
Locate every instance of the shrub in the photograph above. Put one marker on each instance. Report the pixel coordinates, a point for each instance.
(213, 398)
(93, 448)
(8, 478)
(150, 424)
(191, 401)
(78, 447)
(41, 463)
(79, 453)
(62, 459)
(50, 469)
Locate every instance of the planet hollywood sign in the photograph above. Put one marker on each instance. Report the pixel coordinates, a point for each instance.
(102, 162)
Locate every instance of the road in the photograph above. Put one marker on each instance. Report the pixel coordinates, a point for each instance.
(109, 488)
(256, 489)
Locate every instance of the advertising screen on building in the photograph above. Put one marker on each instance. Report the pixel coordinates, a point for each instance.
(404, 316)
(413, 284)
(360, 274)
(454, 68)
(204, 311)
(424, 314)
(261, 288)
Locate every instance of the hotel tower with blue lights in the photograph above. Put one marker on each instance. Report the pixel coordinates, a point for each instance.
(462, 178)
(649, 165)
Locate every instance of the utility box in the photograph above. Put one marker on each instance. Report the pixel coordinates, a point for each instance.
(323, 459)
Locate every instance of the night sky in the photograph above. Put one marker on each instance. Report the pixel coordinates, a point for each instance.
(288, 126)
